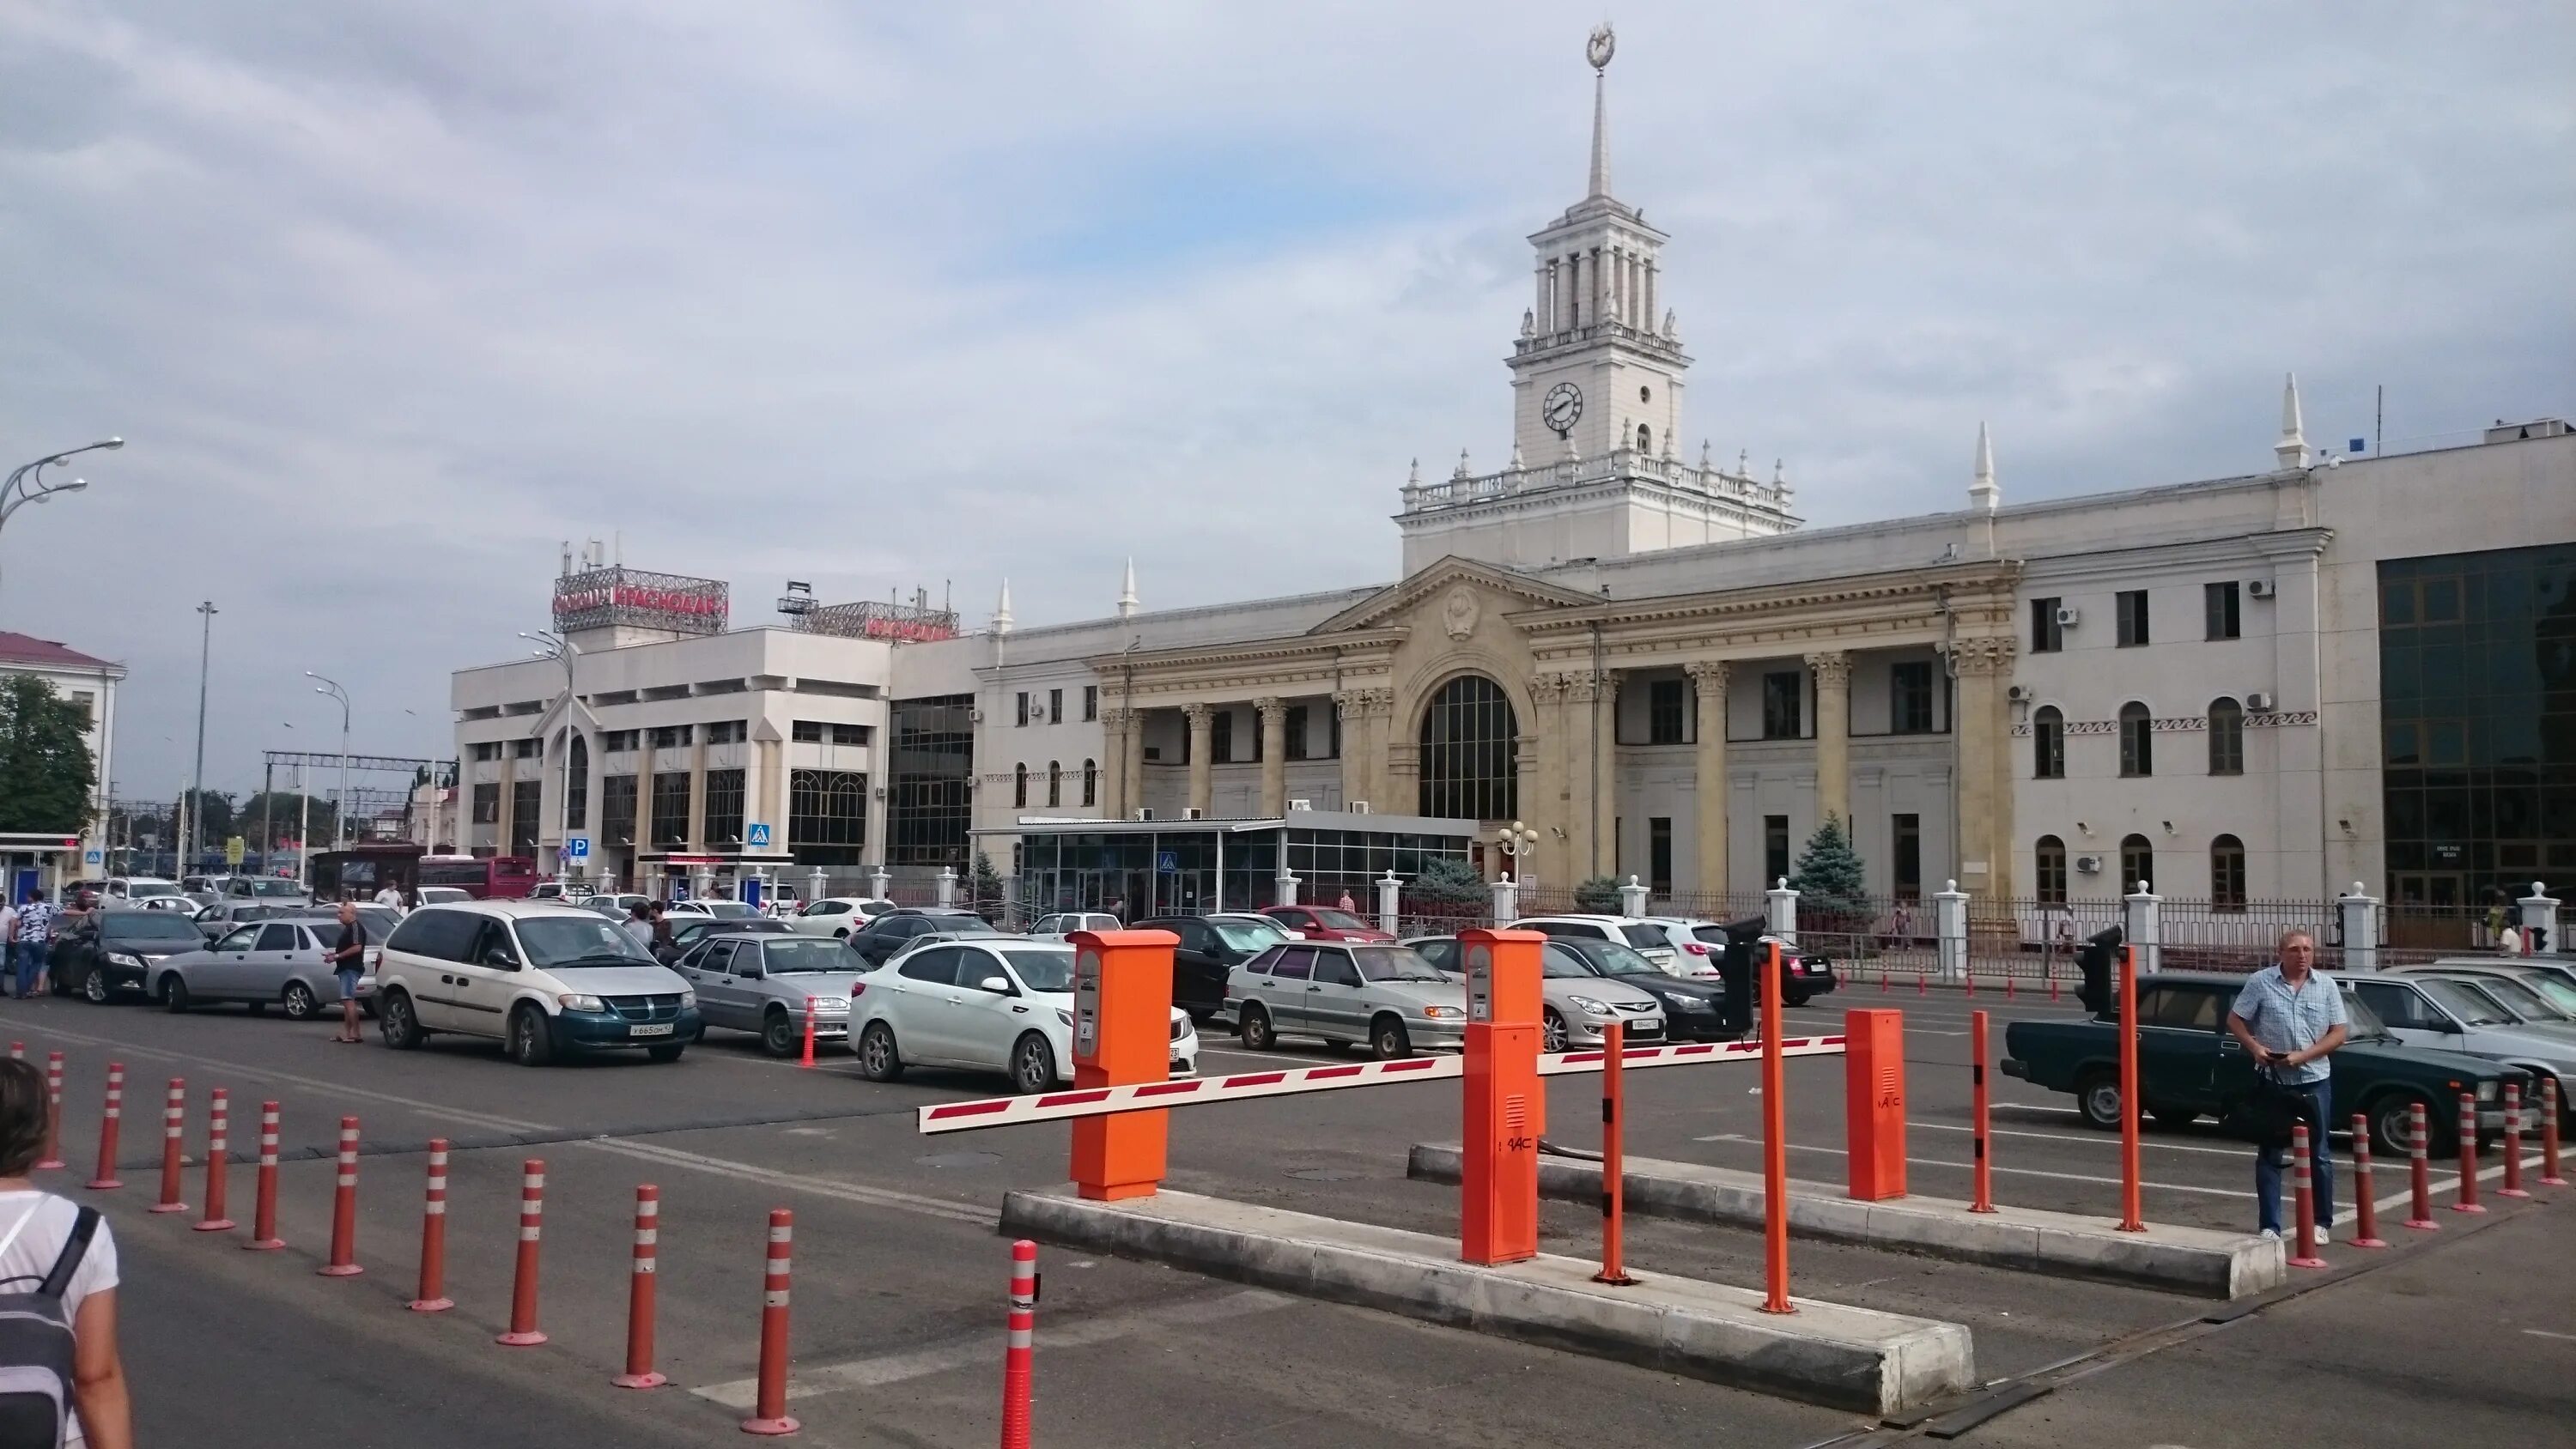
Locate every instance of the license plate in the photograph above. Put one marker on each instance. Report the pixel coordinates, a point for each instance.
(662, 1028)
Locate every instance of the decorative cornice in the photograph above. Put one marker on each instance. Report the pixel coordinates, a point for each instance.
(1832, 669)
(2176, 724)
(1200, 716)
(1989, 654)
(1547, 688)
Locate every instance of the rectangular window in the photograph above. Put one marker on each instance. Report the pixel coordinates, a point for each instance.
(724, 808)
(2045, 635)
(617, 810)
(1024, 706)
(1055, 706)
(1775, 848)
(1335, 730)
(1907, 833)
(87, 704)
(2051, 884)
(1090, 703)
(727, 732)
(827, 816)
(526, 749)
(1221, 738)
(1780, 701)
(1296, 732)
(2219, 602)
(487, 750)
(616, 741)
(1659, 853)
(670, 825)
(934, 754)
(1909, 697)
(526, 800)
(2131, 609)
(806, 732)
(669, 737)
(487, 804)
(1665, 712)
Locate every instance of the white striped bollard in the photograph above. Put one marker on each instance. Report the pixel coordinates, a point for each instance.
(219, 1114)
(523, 1288)
(263, 1218)
(344, 1207)
(174, 1128)
(2468, 1202)
(639, 1293)
(432, 1294)
(111, 1121)
(52, 1161)
(2513, 1143)
(769, 1410)
(1018, 1365)
(2419, 1170)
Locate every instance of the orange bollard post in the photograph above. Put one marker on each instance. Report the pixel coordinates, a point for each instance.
(52, 1161)
(2306, 1197)
(1775, 1148)
(2513, 1143)
(1614, 1179)
(1985, 1170)
(2548, 1134)
(263, 1220)
(1882, 981)
(432, 1295)
(218, 1166)
(109, 1121)
(2366, 1231)
(769, 1409)
(808, 1059)
(639, 1293)
(344, 1208)
(523, 1284)
(2132, 1210)
(2468, 1202)
(2419, 1168)
(1019, 1358)
(174, 1127)
(2009, 979)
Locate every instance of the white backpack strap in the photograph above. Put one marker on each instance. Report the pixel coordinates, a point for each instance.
(21, 1225)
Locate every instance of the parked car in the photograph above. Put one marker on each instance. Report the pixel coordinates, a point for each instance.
(443, 895)
(1325, 923)
(1209, 950)
(2190, 1066)
(2555, 981)
(180, 904)
(1279, 930)
(1381, 994)
(2455, 1015)
(110, 954)
(762, 982)
(2528, 1005)
(568, 892)
(881, 938)
(688, 932)
(1694, 1009)
(1645, 936)
(1577, 995)
(546, 980)
(613, 904)
(218, 920)
(1003, 1004)
(1064, 923)
(838, 915)
(265, 888)
(137, 889)
(1699, 944)
(259, 963)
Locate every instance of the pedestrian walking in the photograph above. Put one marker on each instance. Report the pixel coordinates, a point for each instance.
(2291, 1017)
(36, 918)
(61, 1378)
(2509, 942)
(1347, 903)
(349, 960)
(390, 896)
(639, 924)
(9, 948)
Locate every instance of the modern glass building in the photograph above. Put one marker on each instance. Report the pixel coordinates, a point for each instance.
(1139, 868)
(934, 763)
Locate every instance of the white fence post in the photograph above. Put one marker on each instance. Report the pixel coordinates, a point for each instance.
(815, 885)
(1781, 910)
(703, 885)
(1287, 885)
(1387, 892)
(2360, 921)
(1632, 898)
(1507, 900)
(1950, 932)
(2540, 923)
(2143, 926)
(878, 881)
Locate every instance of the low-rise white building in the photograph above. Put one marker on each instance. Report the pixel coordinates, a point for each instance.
(89, 683)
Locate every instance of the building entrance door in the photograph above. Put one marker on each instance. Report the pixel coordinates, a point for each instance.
(2430, 910)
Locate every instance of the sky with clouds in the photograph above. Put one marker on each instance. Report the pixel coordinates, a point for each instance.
(390, 299)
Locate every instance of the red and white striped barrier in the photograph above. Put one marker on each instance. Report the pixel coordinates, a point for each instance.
(639, 1294)
(263, 1222)
(1018, 1357)
(523, 1287)
(110, 1121)
(2548, 1135)
(2301, 1162)
(2366, 1235)
(2513, 1143)
(2419, 1168)
(769, 1408)
(218, 1166)
(2468, 1202)
(52, 1161)
(344, 1207)
(1288, 1082)
(174, 1127)
(432, 1295)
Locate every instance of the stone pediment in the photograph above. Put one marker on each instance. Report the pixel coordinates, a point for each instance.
(1424, 589)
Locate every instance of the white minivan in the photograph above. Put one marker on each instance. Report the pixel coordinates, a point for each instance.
(546, 980)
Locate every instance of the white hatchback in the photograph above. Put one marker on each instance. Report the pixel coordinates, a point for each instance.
(999, 1005)
(837, 916)
(1636, 932)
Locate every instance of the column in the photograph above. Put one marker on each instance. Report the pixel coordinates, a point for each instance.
(501, 817)
(1985, 773)
(1583, 857)
(1709, 680)
(1113, 763)
(1833, 733)
(1352, 711)
(1135, 767)
(1202, 720)
(1651, 313)
(1605, 797)
(698, 790)
(1274, 754)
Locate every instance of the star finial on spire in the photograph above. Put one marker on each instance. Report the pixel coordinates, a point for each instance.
(1598, 49)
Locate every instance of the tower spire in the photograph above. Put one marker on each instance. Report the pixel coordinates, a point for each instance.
(2292, 450)
(1127, 592)
(1982, 492)
(1002, 610)
(1598, 49)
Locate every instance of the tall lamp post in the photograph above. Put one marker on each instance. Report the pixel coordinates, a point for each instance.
(551, 645)
(27, 481)
(197, 775)
(340, 822)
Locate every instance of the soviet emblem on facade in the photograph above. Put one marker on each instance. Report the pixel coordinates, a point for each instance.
(1458, 613)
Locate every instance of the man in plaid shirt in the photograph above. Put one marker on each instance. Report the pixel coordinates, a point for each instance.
(35, 940)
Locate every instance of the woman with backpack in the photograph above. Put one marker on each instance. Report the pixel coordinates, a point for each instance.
(61, 1378)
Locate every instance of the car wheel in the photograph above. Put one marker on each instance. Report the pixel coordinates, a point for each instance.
(668, 1051)
(778, 1034)
(1032, 1064)
(1387, 1039)
(880, 1060)
(1255, 1031)
(94, 986)
(1552, 1035)
(1795, 998)
(530, 1043)
(298, 1002)
(2392, 1128)
(397, 1023)
(2097, 1098)
(2174, 1117)
(174, 993)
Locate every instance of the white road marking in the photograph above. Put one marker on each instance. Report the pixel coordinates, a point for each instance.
(797, 1181)
(2547, 1333)
(976, 1352)
(2016, 1171)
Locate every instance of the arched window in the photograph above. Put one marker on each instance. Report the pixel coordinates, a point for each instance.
(576, 795)
(2137, 863)
(1470, 752)
(2051, 859)
(1645, 439)
(1055, 783)
(1090, 783)
(2227, 873)
(2137, 741)
(2226, 737)
(1020, 786)
(2048, 743)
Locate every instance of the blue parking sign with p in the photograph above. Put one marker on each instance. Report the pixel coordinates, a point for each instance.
(756, 834)
(577, 847)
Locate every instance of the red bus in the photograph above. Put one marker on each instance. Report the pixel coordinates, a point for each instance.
(484, 877)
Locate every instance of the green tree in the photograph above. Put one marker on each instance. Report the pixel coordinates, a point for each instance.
(1832, 886)
(1445, 880)
(1599, 895)
(215, 815)
(46, 773)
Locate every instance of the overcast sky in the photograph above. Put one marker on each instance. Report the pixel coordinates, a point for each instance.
(389, 299)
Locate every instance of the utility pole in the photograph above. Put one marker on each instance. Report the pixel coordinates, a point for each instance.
(197, 776)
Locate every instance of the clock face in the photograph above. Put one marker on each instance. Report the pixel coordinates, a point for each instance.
(1561, 408)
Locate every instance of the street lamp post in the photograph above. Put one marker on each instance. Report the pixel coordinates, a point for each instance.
(551, 645)
(197, 775)
(27, 483)
(1520, 843)
(340, 817)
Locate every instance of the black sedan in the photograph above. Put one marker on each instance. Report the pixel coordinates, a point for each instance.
(887, 935)
(689, 930)
(111, 953)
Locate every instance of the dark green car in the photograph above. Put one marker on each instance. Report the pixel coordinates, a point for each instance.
(2190, 1066)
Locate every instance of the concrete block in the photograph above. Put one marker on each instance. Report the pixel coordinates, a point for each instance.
(2199, 1261)
(1825, 1353)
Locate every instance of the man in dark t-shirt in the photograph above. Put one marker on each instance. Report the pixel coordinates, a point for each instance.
(349, 961)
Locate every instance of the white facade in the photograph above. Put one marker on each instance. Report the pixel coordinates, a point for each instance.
(90, 685)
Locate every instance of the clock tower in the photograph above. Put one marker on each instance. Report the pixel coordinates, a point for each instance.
(1596, 468)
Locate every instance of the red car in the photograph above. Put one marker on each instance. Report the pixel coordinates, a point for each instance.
(1324, 923)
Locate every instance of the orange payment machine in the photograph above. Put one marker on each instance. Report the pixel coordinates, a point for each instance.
(1506, 1103)
(1122, 1035)
(1874, 1102)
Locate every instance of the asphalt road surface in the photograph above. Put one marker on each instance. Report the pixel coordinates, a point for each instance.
(900, 1279)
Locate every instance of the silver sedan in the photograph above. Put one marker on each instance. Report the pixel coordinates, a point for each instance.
(765, 984)
(267, 961)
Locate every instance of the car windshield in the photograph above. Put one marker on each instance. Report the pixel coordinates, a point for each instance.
(2363, 1023)
(1341, 921)
(1393, 963)
(1613, 959)
(559, 942)
(145, 889)
(1042, 970)
(148, 926)
(954, 925)
(2553, 990)
(2467, 1004)
(728, 910)
(1243, 937)
(1560, 961)
(2519, 999)
(280, 889)
(810, 953)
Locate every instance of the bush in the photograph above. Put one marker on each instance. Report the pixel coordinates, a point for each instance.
(1448, 881)
(1599, 895)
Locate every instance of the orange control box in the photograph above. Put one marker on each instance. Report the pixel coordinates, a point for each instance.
(1122, 1036)
(1506, 1104)
(1874, 1102)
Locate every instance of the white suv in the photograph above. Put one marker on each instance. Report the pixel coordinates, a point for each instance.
(837, 916)
(1648, 939)
(546, 980)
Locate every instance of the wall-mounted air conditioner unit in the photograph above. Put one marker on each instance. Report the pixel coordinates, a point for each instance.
(2018, 694)
(1193, 813)
(1301, 804)
(2088, 865)
(1145, 812)
(2258, 702)
(2262, 588)
(2068, 618)
(1359, 807)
